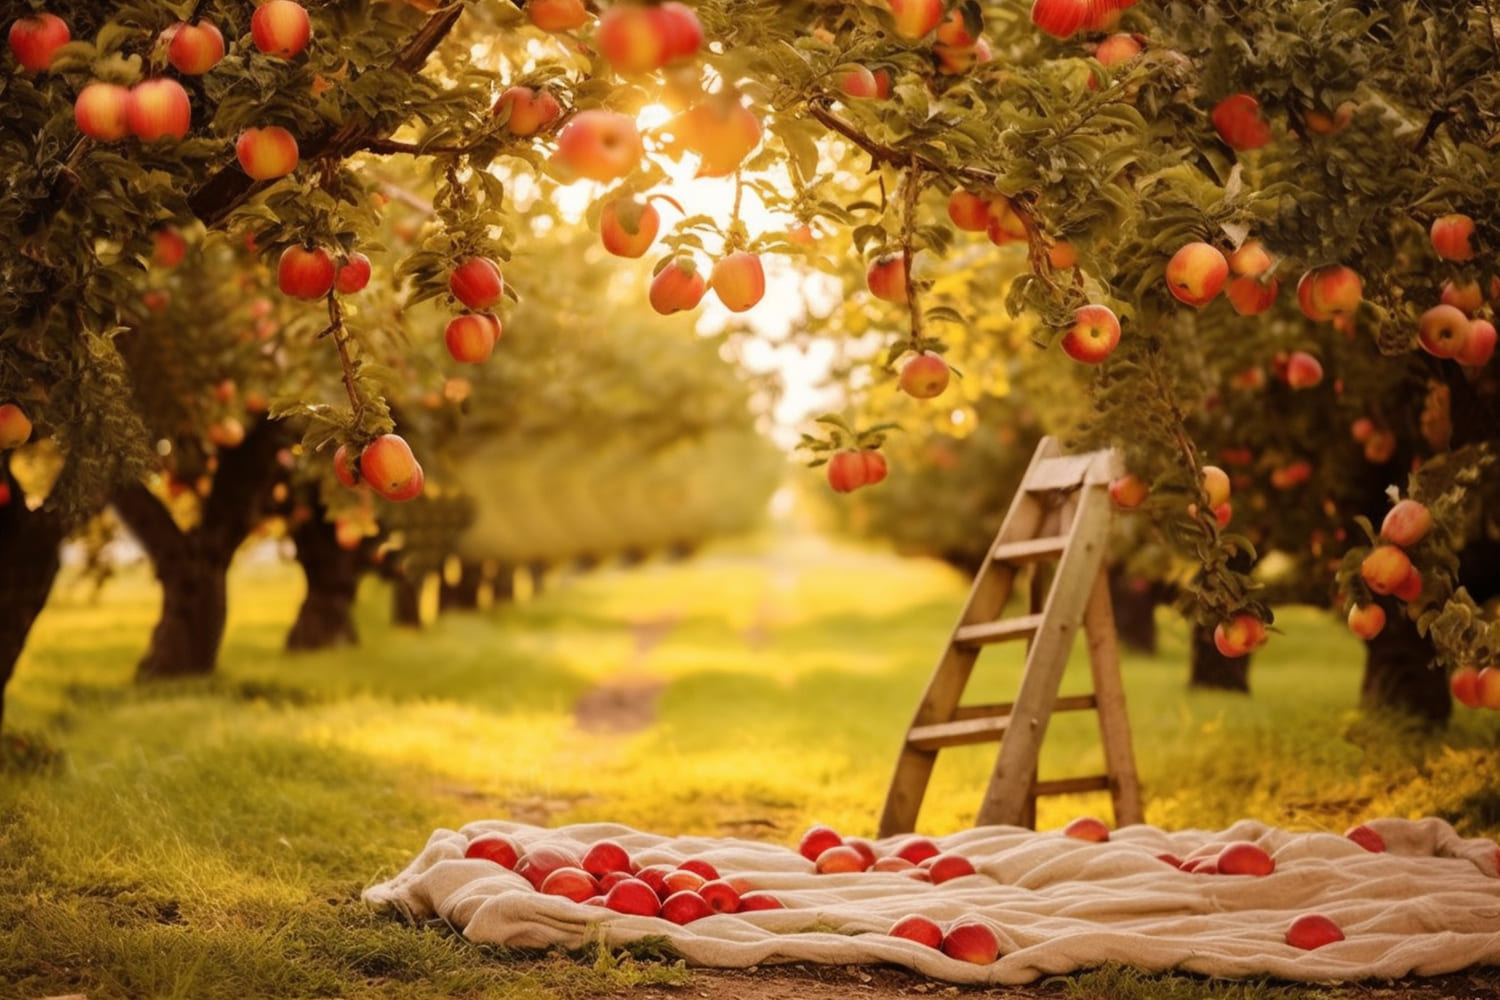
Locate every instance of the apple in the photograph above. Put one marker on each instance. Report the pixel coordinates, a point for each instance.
(167, 246)
(15, 426)
(682, 879)
(1324, 293)
(226, 433)
(924, 376)
(917, 849)
(699, 867)
(816, 840)
(389, 466)
(655, 876)
(1466, 295)
(628, 227)
(1169, 859)
(840, 858)
(1087, 828)
(266, 153)
(886, 277)
(752, 901)
(1006, 224)
(1093, 336)
(857, 82)
(157, 109)
(684, 907)
(1196, 273)
(1366, 838)
(194, 49)
(1480, 346)
(1200, 866)
(1406, 523)
(1117, 49)
(915, 927)
(1062, 255)
(1303, 371)
(1320, 122)
(36, 38)
(1238, 121)
(947, 866)
(1464, 685)
(1293, 474)
(1250, 259)
(738, 280)
(1312, 930)
(683, 30)
(1128, 491)
(496, 847)
(1251, 296)
(1061, 18)
(471, 337)
(1450, 236)
(599, 145)
(631, 895)
(1239, 636)
(1380, 446)
(280, 28)
(721, 130)
(678, 286)
(915, 18)
(353, 274)
(1215, 485)
(101, 111)
(1366, 621)
(954, 32)
(1487, 687)
(574, 883)
(604, 857)
(721, 896)
(557, 15)
(630, 36)
(526, 111)
(847, 472)
(345, 468)
(892, 864)
(1385, 569)
(305, 272)
(1443, 331)
(864, 847)
(875, 466)
(540, 861)
(477, 283)
(1244, 858)
(971, 940)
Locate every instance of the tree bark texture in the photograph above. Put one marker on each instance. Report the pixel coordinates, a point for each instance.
(29, 543)
(326, 618)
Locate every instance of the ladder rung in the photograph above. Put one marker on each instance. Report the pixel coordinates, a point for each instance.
(962, 732)
(1065, 703)
(1010, 628)
(1067, 786)
(1016, 553)
(1058, 473)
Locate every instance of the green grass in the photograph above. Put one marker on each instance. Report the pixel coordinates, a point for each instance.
(210, 839)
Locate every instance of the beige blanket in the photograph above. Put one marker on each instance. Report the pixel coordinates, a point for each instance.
(1428, 904)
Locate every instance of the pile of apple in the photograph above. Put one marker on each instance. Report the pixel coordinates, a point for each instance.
(919, 858)
(605, 876)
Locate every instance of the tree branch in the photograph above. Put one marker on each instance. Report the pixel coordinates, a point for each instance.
(149, 521)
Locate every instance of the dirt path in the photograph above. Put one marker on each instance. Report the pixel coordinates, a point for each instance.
(626, 703)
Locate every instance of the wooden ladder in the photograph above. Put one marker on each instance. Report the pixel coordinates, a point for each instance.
(1061, 512)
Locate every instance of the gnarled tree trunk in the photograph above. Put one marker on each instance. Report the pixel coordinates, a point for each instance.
(1399, 672)
(29, 542)
(326, 617)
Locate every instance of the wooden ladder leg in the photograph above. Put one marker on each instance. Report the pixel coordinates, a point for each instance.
(1109, 694)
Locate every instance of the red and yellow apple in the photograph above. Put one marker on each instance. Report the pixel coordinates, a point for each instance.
(266, 153)
(1312, 930)
(924, 375)
(1243, 857)
(34, 40)
(1094, 334)
(1480, 346)
(969, 939)
(557, 15)
(1385, 569)
(101, 111)
(194, 49)
(526, 111)
(353, 274)
(739, 280)
(915, 18)
(1450, 236)
(1238, 121)
(598, 145)
(1251, 296)
(886, 277)
(679, 285)
(1196, 273)
(628, 226)
(1463, 683)
(158, 109)
(1128, 491)
(477, 283)
(1303, 371)
(15, 426)
(1407, 523)
(1087, 828)
(388, 465)
(916, 927)
(471, 338)
(1443, 331)
(1239, 636)
(305, 272)
(280, 28)
(1367, 620)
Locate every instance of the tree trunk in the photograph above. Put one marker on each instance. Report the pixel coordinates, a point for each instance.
(406, 601)
(463, 594)
(194, 605)
(1212, 669)
(1135, 600)
(29, 541)
(1399, 675)
(326, 617)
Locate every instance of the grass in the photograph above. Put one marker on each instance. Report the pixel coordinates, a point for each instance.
(210, 839)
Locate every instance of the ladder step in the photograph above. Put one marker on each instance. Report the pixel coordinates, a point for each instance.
(1065, 703)
(1068, 786)
(963, 732)
(1058, 473)
(1017, 553)
(1010, 628)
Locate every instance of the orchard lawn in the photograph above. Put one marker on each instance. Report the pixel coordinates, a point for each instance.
(211, 840)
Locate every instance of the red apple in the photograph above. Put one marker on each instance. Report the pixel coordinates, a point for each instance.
(752, 901)
(699, 867)
(721, 131)
(924, 376)
(1380, 446)
(875, 470)
(1443, 331)
(305, 272)
(526, 111)
(655, 876)
(1487, 687)
(477, 283)
(471, 338)
(15, 426)
(1406, 524)
(684, 907)
(167, 246)
(857, 82)
(1251, 296)
(1128, 492)
(1215, 485)
(36, 38)
(1061, 18)
(1465, 295)
(599, 145)
(631, 37)
(1464, 684)
(838, 859)
(1303, 371)
(1244, 858)
(915, 18)
(1385, 569)
(266, 153)
(574, 883)
(721, 896)
(1239, 636)
(891, 863)
(628, 227)
(915, 927)
(157, 109)
(1196, 273)
(1238, 121)
(847, 471)
(678, 286)
(1093, 335)
(1367, 620)
(917, 849)
(738, 280)
(496, 847)
(1250, 259)
(280, 28)
(1312, 930)
(604, 857)
(353, 274)
(540, 861)
(389, 466)
(684, 32)
(345, 468)
(101, 111)
(970, 940)
(1087, 828)
(631, 895)
(1480, 346)
(886, 277)
(816, 840)
(1366, 838)
(1450, 237)
(1006, 224)
(1324, 293)
(682, 879)
(557, 15)
(1170, 859)
(946, 866)
(954, 32)
(194, 49)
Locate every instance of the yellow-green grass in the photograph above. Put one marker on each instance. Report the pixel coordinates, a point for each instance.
(209, 839)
